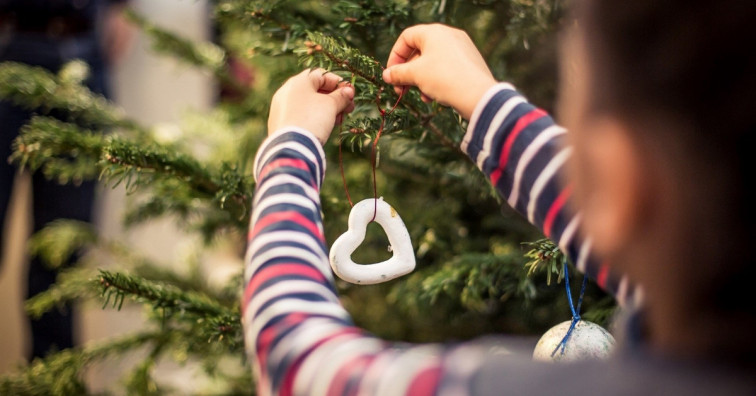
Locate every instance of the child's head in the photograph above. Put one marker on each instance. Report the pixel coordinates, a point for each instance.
(660, 97)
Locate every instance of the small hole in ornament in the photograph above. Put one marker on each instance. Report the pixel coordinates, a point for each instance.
(374, 248)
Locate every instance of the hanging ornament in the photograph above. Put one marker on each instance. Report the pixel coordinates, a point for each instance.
(403, 260)
(574, 339)
(587, 341)
(366, 211)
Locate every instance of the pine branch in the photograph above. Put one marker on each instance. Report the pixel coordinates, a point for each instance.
(334, 54)
(372, 20)
(56, 242)
(36, 88)
(171, 197)
(140, 165)
(59, 240)
(167, 298)
(476, 281)
(140, 381)
(546, 257)
(194, 279)
(450, 211)
(62, 150)
(117, 286)
(258, 12)
(60, 374)
(209, 320)
(69, 153)
(274, 16)
(338, 55)
(71, 284)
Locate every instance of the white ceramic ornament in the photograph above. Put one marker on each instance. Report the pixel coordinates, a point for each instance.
(588, 341)
(403, 259)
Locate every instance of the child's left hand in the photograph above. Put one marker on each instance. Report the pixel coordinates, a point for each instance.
(314, 100)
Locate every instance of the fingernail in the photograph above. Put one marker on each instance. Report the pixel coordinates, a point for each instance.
(348, 91)
(387, 75)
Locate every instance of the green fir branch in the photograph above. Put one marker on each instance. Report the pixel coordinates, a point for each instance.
(475, 281)
(336, 54)
(371, 19)
(545, 256)
(36, 88)
(59, 240)
(138, 165)
(170, 197)
(71, 284)
(209, 320)
(60, 374)
(283, 20)
(69, 153)
(333, 54)
(63, 151)
(117, 286)
(140, 380)
(450, 212)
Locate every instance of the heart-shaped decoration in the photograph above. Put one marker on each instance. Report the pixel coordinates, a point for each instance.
(403, 260)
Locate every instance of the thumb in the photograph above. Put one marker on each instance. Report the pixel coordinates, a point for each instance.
(343, 97)
(401, 74)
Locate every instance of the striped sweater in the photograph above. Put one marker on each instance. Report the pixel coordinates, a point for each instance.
(300, 339)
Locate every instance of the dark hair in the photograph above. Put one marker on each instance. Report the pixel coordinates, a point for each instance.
(692, 58)
(692, 62)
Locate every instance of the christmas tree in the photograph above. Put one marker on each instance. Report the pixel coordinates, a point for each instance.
(481, 268)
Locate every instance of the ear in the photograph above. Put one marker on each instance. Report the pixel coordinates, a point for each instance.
(614, 185)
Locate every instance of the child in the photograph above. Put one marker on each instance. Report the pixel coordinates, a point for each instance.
(657, 96)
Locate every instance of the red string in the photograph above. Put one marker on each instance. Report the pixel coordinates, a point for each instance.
(341, 169)
(373, 153)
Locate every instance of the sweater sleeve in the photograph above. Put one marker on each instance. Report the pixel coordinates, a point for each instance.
(298, 336)
(521, 150)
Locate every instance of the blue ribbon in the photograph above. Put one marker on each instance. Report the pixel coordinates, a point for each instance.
(575, 311)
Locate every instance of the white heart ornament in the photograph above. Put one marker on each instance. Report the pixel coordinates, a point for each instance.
(401, 263)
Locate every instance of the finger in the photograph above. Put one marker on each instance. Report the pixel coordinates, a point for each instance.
(409, 41)
(425, 98)
(341, 84)
(316, 77)
(350, 108)
(331, 81)
(402, 74)
(401, 89)
(341, 116)
(343, 98)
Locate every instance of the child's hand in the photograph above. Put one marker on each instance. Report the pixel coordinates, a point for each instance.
(314, 100)
(443, 62)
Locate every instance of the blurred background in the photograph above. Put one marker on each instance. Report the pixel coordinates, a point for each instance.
(152, 89)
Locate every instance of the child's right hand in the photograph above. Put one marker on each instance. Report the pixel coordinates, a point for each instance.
(443, 63)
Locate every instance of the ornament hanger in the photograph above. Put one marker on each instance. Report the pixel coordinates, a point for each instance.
(403, 260)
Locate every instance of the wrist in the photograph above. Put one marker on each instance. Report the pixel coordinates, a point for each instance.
(473, 93)
(301, 124)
